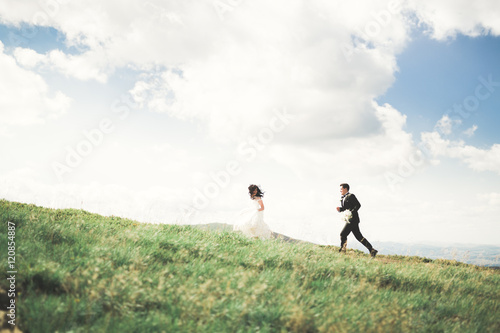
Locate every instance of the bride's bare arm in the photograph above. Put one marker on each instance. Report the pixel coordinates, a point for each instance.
(261, 203)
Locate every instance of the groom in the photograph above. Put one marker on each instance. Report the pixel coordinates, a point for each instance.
(349, 202)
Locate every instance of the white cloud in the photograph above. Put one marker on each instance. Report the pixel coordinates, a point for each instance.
(259, 66)
(445, 124)
(90, 65)
(351, 157)
(250, 64)
(236, 70)
(492, 198)
(447, 18)
(25, 96)
(176, 33)
(28, 58)
(475, 158)
(470, 131)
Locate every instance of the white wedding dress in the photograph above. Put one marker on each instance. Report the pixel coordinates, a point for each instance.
(250, 222)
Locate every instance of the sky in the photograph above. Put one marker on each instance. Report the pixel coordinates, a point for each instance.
(166, 111)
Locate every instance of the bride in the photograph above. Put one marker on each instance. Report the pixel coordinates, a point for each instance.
(251, 221)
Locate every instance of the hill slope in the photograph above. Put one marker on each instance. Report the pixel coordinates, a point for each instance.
(82, 272)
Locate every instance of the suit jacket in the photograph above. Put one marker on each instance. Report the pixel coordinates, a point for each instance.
(351, 203)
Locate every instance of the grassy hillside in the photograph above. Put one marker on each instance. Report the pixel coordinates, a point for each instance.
(82, 272)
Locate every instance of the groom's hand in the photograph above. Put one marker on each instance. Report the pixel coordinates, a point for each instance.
(338, 209)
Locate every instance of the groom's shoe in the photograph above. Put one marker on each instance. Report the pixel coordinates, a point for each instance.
(373, 253)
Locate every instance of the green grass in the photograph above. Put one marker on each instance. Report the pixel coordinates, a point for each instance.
(82, 272)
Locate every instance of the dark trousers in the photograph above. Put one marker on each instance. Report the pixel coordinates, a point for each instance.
(354, 228)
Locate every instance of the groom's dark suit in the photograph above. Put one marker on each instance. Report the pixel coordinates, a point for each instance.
(350, 202)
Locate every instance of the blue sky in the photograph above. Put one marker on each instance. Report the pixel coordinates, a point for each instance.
(165, 112)
(435, 75)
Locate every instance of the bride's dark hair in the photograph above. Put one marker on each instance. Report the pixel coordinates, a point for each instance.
(252, 188)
